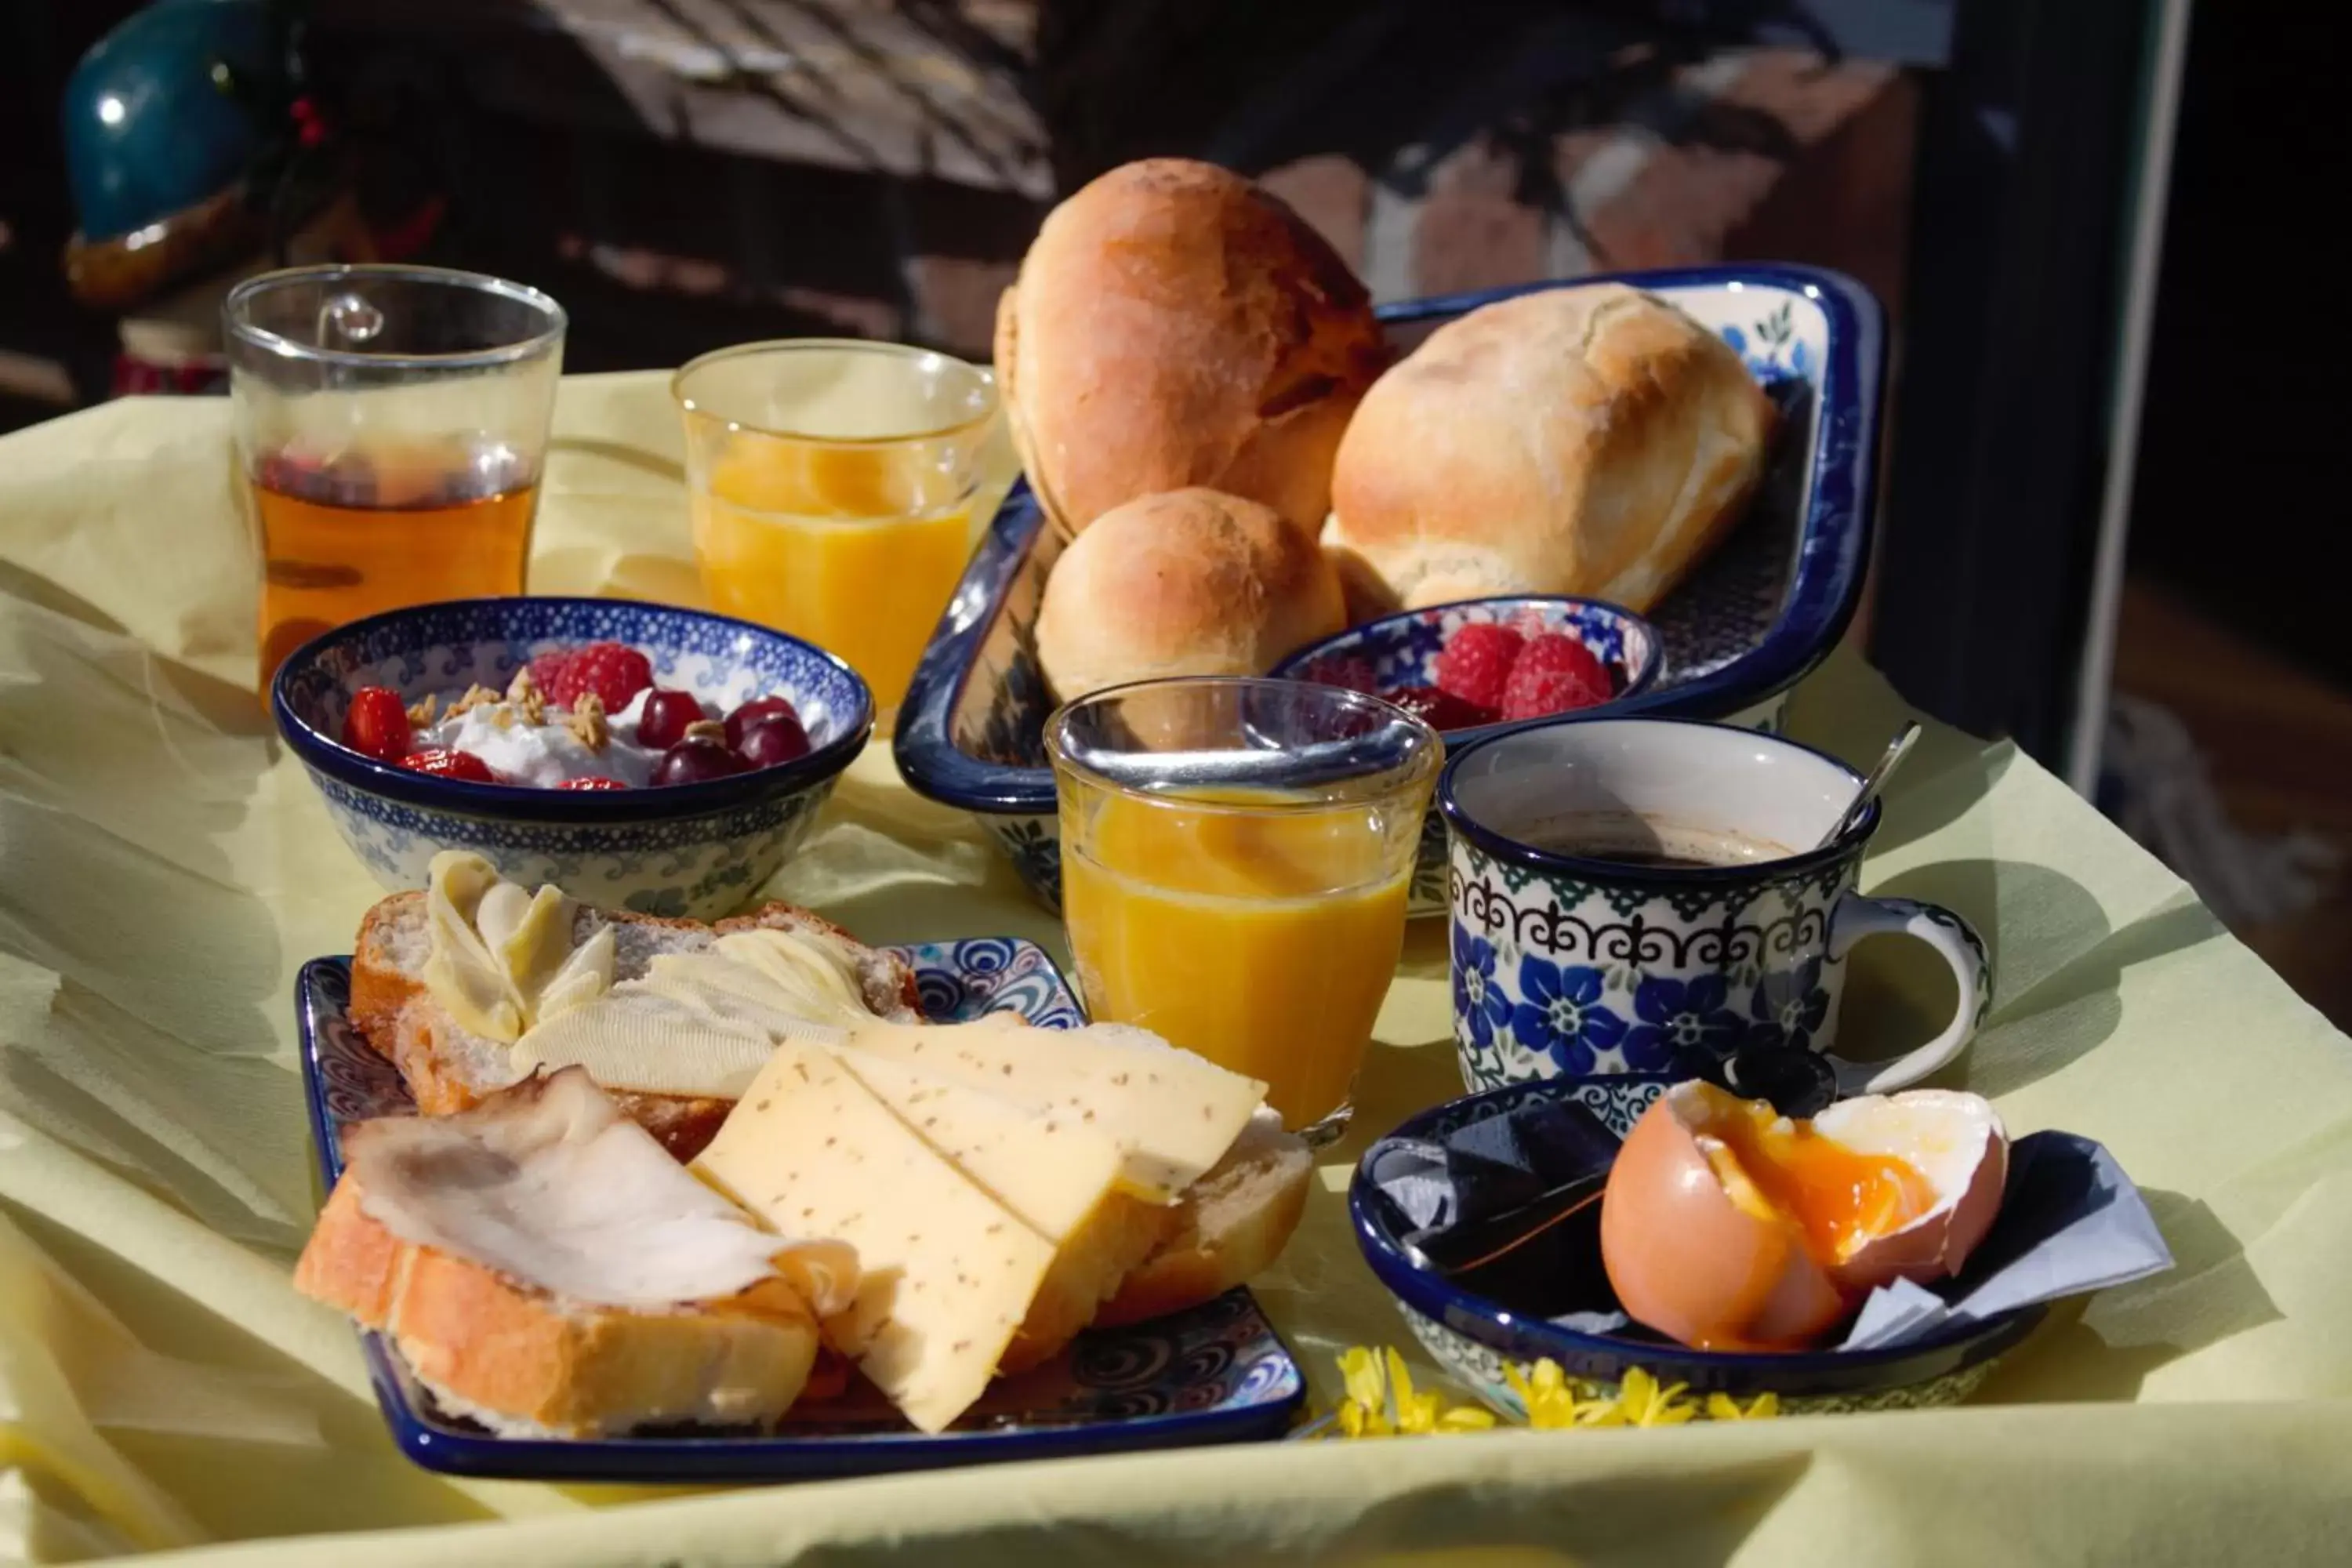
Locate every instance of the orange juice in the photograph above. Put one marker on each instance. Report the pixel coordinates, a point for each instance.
(1263, 940)
(832, 543)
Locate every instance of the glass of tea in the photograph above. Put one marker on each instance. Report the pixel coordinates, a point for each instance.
(835, 485)
(1236, 854)
(390, 423)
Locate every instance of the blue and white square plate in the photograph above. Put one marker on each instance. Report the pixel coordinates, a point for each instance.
(1217, 1373)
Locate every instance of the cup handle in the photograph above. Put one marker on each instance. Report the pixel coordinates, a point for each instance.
(1948, 934)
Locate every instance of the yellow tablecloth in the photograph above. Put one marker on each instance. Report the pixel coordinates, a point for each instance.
(165, 867)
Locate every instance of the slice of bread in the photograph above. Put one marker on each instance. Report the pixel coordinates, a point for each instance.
(1232, 1222)
(523, 1304)
(448, 1069)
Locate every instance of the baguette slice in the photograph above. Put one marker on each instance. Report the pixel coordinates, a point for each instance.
(510, 1184)
(1232, 1222)
(448, 1068)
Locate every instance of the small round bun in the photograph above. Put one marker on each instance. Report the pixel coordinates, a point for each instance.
(1190, 582)
(1591, 440)
(1175, 325)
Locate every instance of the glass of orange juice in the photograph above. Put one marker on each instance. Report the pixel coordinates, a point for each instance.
(391, 422)
(1235, 860)
(833, 486)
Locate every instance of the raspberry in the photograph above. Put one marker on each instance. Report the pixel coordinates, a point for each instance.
(450, 765)
(1351, 671)
(1554, 674)
(1438, 708)
(376, 724)
(547, 671)
(1478, 660)
(615, 673)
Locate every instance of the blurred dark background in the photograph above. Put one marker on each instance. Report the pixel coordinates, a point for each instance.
(683, 173)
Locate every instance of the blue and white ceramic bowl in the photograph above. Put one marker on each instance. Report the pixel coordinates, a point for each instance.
(1402, 650)
(1763, 609)
(695, 850)
(1475, 1339)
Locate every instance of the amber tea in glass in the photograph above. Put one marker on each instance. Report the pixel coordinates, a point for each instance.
(391, 422)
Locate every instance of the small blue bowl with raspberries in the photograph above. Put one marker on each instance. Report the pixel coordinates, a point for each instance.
(1478, 666)
(638, 756)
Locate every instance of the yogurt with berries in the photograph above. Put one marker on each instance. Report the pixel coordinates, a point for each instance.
(578, 719)
(553, 753)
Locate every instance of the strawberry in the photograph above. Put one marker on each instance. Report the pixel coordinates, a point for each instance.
(1439, 709)
(615, 673)
(376, 724)
(1477, 661)
(595, 780)
(462, 765)
(1351, 671)
(1554, 674)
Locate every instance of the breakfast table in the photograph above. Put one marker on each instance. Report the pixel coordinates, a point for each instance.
(166, 867)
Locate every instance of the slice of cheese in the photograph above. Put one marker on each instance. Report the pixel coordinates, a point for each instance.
(949, 1271)
(1050, 1167)
(1171, 1114)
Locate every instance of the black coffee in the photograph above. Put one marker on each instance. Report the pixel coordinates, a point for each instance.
(1646, 843)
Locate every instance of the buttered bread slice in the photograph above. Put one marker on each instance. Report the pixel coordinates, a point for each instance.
(450, 1066)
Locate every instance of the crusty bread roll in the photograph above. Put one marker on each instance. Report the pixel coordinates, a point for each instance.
(1591, 440)
(1175, 325)
(1190, 582)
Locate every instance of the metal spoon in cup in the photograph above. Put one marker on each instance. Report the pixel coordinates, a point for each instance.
(1896, 750)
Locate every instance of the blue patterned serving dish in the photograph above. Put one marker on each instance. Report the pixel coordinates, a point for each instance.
(1216, 1373)
(1402, 650)
(1763, 610)
(695, 850)
(1475, 1339)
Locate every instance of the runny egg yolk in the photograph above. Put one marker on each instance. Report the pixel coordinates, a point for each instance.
(1838, 1197)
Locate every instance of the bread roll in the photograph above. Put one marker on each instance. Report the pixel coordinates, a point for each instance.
(1175, 325)
(1591, 440)
(1190, 582)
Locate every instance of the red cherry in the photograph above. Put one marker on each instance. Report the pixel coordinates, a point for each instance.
(662, 722)
(695, 761)
(751, 712)
(593, 781)
(443, 765)
(376, 724)
(777, 738)
(1438, 708)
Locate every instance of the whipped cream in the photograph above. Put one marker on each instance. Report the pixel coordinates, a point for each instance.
(547, 754)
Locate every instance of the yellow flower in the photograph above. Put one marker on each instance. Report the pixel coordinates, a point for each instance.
(1380, 1400)
(1549, 1398)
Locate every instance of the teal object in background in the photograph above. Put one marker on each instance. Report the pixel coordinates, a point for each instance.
(163, 113)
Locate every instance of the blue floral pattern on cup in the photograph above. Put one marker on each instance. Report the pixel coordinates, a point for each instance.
(1560, 1014)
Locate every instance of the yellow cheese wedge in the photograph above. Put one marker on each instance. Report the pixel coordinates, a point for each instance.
(1171, 1114)
(950, 1272)
(1050, 1167)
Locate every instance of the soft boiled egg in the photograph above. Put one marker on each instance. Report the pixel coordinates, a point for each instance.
(1730, 1227)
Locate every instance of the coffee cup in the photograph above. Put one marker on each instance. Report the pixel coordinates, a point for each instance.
(1652, 895)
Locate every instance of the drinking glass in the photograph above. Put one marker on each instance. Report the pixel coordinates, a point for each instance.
(1236, 854)
(391, 425)
(835, 485)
